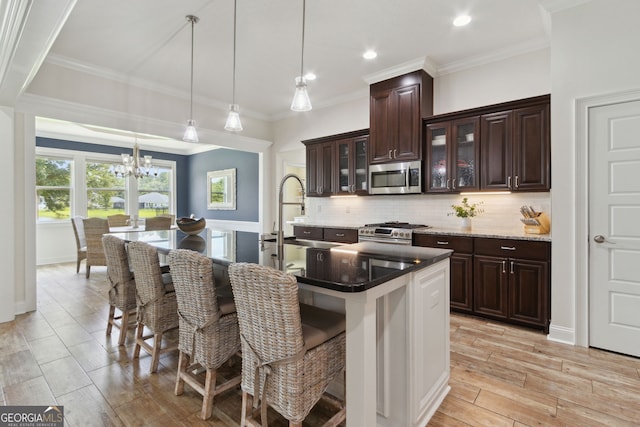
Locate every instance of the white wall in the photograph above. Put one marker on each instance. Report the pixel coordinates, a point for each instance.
(594, 51)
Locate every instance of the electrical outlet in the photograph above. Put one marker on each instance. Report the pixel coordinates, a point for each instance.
(348, 209)
(319, 208)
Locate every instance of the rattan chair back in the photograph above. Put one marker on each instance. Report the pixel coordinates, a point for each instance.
(118, 220)
(122, 292)
(157, 223)
(94, 229)
(81, 241)
(215, 337)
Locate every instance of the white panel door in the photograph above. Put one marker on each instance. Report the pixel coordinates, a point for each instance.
(614, 227)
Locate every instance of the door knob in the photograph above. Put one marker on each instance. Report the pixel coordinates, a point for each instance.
(599, 239)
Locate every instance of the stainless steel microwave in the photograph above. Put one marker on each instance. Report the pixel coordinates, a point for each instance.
(395, 178)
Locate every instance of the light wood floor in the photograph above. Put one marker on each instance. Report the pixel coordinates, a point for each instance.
(500, 375)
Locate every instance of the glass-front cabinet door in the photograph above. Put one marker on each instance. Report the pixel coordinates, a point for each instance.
(437, 174)
(465, 154)
(352, 171)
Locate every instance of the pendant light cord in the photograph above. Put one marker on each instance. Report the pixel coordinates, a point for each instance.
(302, 56)
(193, 20)
(234, 51)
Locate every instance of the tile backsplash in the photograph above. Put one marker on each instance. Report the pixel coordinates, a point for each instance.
(501, 211)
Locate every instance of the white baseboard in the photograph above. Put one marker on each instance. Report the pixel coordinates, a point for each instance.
(562, 334)
(57, 260)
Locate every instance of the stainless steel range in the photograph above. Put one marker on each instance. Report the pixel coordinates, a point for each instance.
(400, 233)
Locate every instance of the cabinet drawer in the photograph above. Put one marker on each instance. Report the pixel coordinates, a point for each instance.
(341, 235)
(513, 248)
(311, 233)
(457, 243)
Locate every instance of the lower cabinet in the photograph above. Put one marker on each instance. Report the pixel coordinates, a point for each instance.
(461, 262)
(501, 279)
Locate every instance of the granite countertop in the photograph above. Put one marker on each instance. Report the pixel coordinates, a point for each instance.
(515, 234)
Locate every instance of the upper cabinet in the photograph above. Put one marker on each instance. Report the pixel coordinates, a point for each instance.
(516, 149)
(452, 151)
(397, 106)
(337, 164)
(502, 147)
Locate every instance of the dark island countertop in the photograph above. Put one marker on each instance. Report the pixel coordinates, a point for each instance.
(344, 268)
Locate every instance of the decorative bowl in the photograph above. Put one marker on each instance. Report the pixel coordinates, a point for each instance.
(191, 226)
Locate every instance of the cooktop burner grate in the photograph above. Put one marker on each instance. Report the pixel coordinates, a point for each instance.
(397, 224)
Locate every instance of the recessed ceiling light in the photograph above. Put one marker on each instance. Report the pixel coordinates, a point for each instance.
(370, 54)
(309, 76)
(461, 20)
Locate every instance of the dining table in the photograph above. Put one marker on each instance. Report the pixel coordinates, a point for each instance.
(395, 300)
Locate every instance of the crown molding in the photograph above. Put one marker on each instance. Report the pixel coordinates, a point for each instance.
(499, 55)
(109, 74)
(397, 70)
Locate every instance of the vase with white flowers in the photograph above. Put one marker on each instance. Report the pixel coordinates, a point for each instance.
(465, 211)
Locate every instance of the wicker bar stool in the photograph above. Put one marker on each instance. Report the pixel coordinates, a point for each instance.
(94, 229)
(122, 294)
(156, 301)
(209, 334)
(290, 351)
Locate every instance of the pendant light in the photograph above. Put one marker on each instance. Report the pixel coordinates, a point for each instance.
(191, 135)
(233, 119)
(301, 101)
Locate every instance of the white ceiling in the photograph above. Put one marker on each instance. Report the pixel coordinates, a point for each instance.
(148, 42)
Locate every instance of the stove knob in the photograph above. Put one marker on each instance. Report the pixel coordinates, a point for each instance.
(395, 233)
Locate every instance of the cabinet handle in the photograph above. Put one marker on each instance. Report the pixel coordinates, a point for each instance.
(390, 154)
(508, 248)
(306, 232)
(448, 183)
(504, 266)
(395, 154)
(516, 181)
(440, 242)
(453, 183)
(511, 268)
(339, 234)
(509, 182)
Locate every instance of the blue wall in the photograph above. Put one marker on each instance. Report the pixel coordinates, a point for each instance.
(247, 178)
(191, 177)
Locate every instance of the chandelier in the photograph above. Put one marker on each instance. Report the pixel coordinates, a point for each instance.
(133, 165)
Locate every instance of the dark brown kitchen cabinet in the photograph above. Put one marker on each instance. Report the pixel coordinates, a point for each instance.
(352, 165)
(320, 169)
(452, 153)
(461, 267)
(515, 149)
(337, 164)
(512, 281)
(328, 234)
(396, 109)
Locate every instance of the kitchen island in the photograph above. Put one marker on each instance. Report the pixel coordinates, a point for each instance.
(396, 302)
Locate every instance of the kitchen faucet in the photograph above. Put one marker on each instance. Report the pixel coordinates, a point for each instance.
(282, 203)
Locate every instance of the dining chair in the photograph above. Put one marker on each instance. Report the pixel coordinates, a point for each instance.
(81, 241)
(157, 223)
(118, 220)
(122, 291)
(209, 335)
(172, 216)
(94, 229)
(156, 301)
(290, 351)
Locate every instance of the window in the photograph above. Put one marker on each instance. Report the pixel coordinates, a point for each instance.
(154, 193)
(53, 188)
(105, 191)
(70, 183)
